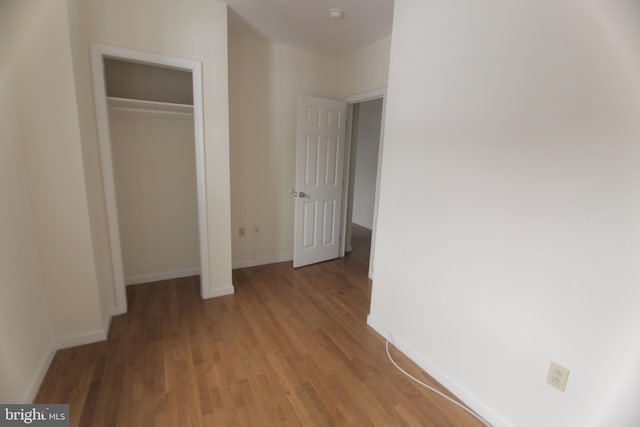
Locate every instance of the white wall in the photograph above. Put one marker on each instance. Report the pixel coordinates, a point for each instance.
(49, 289)
(155, 178)
(265, 80)
(620, 407)
(365, 69)
(194, 29)
(47, 114)
(24, 319)
(92, 170)
(508, 224)
(367, 145)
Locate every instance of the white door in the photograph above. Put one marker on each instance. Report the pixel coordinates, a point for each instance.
(319, 170)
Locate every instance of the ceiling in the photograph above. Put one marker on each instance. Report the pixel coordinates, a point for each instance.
(306, 24)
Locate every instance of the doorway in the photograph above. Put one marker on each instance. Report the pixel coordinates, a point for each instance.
(157, 103)
(364, 147)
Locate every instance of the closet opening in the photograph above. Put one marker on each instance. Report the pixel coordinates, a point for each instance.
(149, 116)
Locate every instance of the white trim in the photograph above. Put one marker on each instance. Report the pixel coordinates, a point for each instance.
(140, 106)
(82, 339)
(203, 227)
(262, 261)
(345, 182)
(356, 99)
(106, 324)
(376, 197)
(220, 292)
(104, 139)
(156, 277)
(98, 52)
(366, 96)
(38, 377)
(116, 311)
(439, 375)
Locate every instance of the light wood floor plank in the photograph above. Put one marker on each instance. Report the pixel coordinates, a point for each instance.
(289, 348)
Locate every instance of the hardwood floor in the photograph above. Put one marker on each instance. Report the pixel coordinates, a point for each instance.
(290, 347)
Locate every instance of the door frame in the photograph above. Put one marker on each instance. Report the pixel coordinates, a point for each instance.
(98, 53)
(351, 101)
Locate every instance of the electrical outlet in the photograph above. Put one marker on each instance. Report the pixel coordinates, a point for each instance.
(241, 231)
(558, 376)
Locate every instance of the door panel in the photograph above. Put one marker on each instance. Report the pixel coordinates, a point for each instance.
(319, 169)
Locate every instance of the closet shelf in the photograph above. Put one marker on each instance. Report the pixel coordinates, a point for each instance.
(148, 107)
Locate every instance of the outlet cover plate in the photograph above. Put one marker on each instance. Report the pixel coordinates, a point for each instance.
(558, 376)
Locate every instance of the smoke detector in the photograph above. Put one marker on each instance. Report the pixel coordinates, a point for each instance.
(336, 14)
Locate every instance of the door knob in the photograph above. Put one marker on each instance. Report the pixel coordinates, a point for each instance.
(301, 194)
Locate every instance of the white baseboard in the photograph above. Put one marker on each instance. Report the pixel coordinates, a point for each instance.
(156, 277)
(60, 343)
(38, 377)
(81, 339)
(465, 396)
(106, 325)
(219, 292)
(262, 261)
(117, 310)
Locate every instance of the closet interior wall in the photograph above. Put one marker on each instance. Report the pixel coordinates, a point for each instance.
(152, 142)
